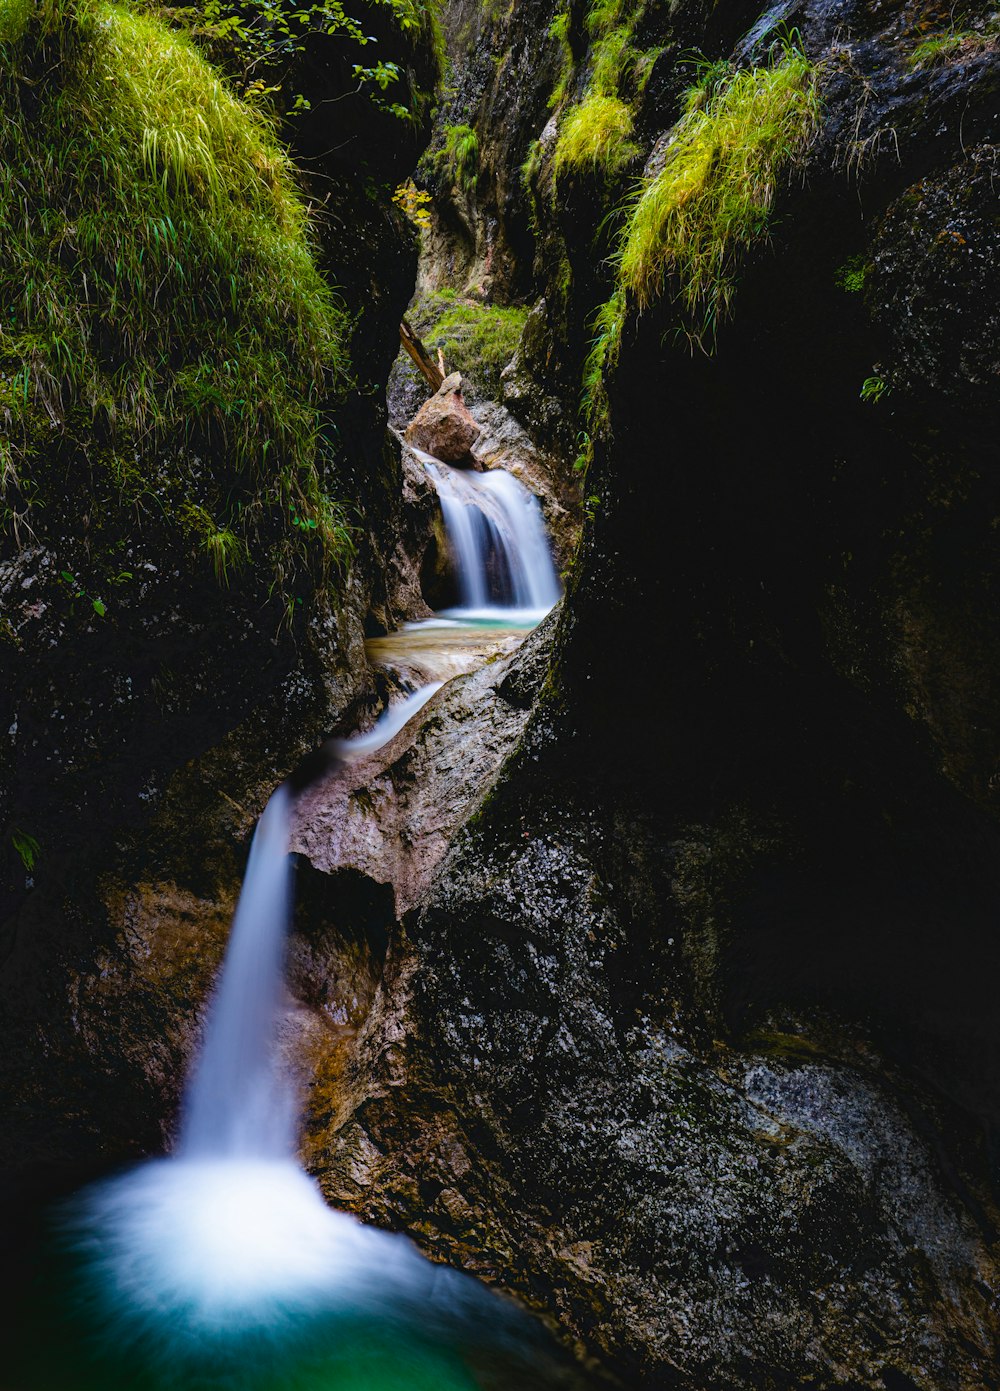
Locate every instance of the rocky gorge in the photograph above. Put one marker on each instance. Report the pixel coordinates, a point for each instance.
(648, 972)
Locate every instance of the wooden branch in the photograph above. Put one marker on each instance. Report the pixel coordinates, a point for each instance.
(420, 355)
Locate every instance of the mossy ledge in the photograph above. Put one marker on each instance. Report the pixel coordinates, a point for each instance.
(165, 324)
(712, 198)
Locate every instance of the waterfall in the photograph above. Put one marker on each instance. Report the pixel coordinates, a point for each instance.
(221, 1266)
(498, 540)
(236, 1104)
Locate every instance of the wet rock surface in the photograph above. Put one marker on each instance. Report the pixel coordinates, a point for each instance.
(390, 815)
(531, 1098)
(444, 427)
(692, 1040)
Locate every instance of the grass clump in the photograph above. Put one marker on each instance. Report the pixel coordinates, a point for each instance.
(164, 320)
(952, 43)
(476, 339)
(597, 132)
(559, 31)
(459, 156)
(936, 50)
(714, 194)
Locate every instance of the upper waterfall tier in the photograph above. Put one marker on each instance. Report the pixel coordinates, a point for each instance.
(497, 536)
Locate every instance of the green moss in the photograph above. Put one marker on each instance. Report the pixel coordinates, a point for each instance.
(159, 290)
(559, 30)
(853, 274)
(476, 339)
(713, 197)
(597, 133)
(459, 156)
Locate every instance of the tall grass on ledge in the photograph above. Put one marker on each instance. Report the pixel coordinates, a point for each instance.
(596, 133)
(159, 294)
(713, 197)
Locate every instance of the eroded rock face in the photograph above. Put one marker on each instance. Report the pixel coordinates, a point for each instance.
(443, 426)
(532, 1099)
(694, 1038)
(390, 815)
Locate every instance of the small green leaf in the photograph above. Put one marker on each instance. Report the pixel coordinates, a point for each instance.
(27, 847)
(99, 608)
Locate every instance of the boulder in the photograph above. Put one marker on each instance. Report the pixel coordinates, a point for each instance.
(443, 426)
(390, 815)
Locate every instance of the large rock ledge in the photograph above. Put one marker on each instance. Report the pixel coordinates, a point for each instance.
(391, 814)
(529, 1098)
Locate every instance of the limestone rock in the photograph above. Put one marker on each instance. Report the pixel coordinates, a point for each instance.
(391, 815)
(444, 427)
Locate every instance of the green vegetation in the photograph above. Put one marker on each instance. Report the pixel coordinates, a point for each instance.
(938, 48)
(267, 38)
(598, 133)
(459, 156)
(164, 323)
(713, 197)
(414, 203)
(559, 30)
(476, 339)
(607, 324)
(27, 848)
(873, 389)
(853, 274)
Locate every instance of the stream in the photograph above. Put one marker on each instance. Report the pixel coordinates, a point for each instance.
(220, 1265)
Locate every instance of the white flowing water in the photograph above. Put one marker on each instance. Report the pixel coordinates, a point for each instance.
(389, 723)
(220, 1267)
(500, 547)
(237, 1106)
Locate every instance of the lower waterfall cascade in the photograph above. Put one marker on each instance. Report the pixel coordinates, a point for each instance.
(220, 1265)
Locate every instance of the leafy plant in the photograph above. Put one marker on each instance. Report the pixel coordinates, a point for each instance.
(27, 848)
(414, 203)
(873, 389)
(77, 591)
(271, 34)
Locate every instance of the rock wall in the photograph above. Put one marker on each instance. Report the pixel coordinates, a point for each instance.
(693, 1040)
(141, 742)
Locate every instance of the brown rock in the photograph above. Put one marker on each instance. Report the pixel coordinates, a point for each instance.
(390, 815)
(443, 426)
